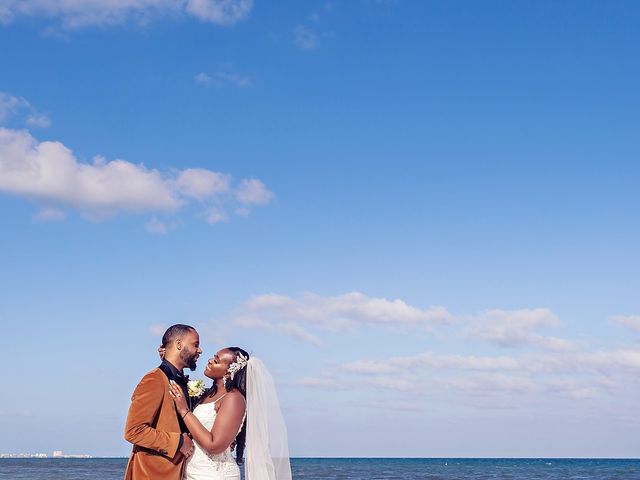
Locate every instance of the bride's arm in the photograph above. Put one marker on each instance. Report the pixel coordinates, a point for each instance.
(225, 428)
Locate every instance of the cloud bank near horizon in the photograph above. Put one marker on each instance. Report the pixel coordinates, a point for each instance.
(535, 368)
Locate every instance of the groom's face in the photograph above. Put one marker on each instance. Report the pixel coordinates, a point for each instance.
(190, 349)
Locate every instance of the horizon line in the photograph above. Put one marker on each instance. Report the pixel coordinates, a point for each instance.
(98, 457)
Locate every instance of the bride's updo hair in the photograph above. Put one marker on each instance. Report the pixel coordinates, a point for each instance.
(239, 381)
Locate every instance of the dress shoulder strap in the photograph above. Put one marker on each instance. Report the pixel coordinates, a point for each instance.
(220, 398)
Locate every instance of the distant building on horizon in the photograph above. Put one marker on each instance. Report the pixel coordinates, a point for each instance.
(60, 454)
(55, 454)
(23, 455)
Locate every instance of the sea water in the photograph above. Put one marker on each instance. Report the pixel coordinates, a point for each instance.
(358, 469)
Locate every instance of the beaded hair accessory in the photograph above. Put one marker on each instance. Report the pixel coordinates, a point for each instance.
(239, 363)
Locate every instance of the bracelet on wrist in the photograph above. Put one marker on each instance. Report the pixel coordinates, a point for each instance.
(185, 414)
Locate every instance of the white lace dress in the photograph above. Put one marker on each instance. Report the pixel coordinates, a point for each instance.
(204, 466)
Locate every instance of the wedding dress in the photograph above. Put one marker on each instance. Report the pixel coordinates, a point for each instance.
(205, 466)
(267, 449)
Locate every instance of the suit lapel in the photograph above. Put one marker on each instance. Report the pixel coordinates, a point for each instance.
(169, 374)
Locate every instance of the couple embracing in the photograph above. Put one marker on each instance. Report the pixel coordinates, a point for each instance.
(179, 437)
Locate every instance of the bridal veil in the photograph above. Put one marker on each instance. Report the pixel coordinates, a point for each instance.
(267, 450)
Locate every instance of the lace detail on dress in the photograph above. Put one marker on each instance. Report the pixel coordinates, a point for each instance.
(205, 466)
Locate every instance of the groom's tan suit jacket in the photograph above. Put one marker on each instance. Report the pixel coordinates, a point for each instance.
(152, 426)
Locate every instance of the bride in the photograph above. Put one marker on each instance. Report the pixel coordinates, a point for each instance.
(240, 409)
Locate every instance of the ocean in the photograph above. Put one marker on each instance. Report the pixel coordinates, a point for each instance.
(358, 469)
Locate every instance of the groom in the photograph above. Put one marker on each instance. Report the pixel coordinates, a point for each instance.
(159, 436)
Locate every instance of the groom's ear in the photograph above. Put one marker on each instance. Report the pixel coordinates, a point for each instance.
(179, 344)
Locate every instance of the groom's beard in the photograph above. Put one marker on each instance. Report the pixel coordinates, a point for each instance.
(189, 359)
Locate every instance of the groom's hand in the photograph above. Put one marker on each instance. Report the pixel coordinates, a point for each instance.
(187, 446)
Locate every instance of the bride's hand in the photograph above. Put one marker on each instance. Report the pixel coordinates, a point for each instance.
(178, 397)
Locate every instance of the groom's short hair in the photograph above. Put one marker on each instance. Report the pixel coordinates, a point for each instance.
(174, 332)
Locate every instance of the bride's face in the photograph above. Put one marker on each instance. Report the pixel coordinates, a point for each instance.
(219, 364)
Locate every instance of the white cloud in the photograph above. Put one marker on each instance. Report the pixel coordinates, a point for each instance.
(296, 331)
(630, 321)
(495, 382)
(50, 173)
(222, 79)
(490, 383)
(40, 120)
(290, 329)
(554, 344)
(11, 105)
(202, 79)
(397, 405)
(253, 192)
(434, 361)
(560, 371)
(221, 12)
(49, 214)
(201, 184)
(387, 383)
(338, 314)
(332, 383)
(214, 215)
(508, 328)
(607, 361)
(156, 226)
(305, 38)
(505, 328)
(574, 389)
(600, 362)
(84, 13)
(308, 39)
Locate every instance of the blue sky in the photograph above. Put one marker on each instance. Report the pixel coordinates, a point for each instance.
(421, 215)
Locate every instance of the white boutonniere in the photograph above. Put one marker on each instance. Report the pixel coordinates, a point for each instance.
(196, 388)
